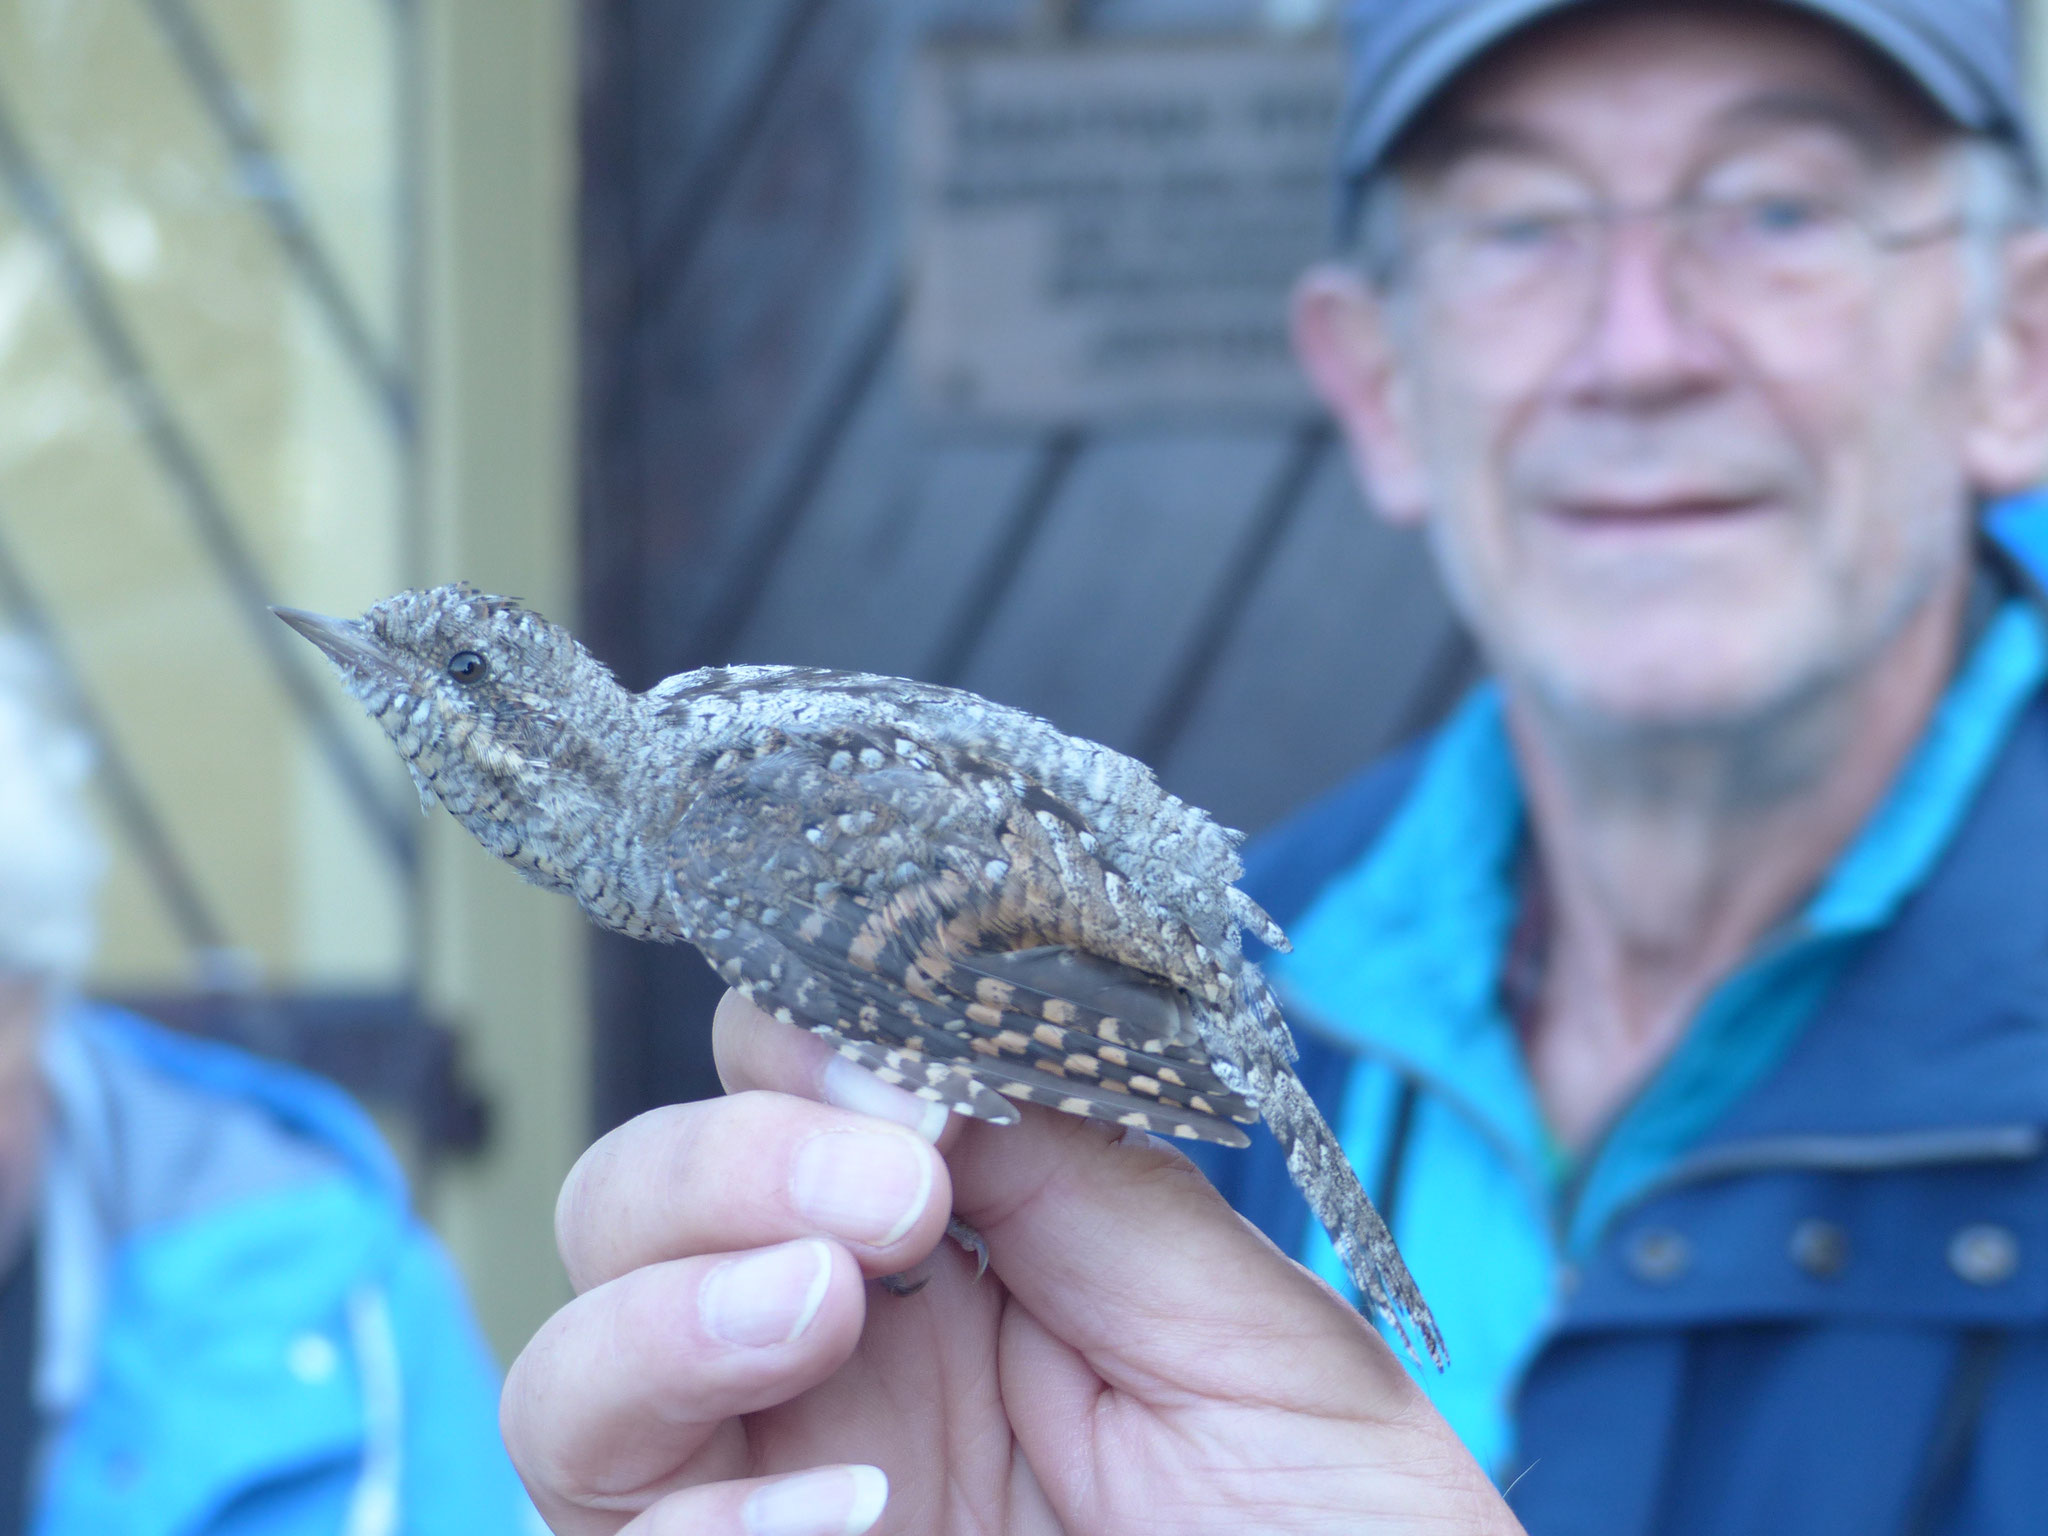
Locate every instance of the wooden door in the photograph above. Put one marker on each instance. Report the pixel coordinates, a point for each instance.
(758, 484)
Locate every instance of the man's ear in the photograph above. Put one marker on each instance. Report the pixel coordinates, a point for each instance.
(2005, 442)
(1342, 332)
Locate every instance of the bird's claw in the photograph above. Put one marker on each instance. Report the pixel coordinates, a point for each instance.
(972, 1241)
(961, 1233)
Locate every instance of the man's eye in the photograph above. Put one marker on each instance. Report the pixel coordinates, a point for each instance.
(1780, 215)
(1523, 231)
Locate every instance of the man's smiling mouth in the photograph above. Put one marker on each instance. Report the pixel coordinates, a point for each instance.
(1656, 510)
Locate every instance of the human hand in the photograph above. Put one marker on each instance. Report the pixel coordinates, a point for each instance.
(1137, 1358)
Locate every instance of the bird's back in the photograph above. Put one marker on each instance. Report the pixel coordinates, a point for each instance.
(968, 897)
(1179, 859)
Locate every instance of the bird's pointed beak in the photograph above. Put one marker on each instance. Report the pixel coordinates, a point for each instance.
(347, 642)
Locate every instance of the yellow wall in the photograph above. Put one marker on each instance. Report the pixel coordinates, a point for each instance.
(165, 645)
(317, 487)
(504, 958)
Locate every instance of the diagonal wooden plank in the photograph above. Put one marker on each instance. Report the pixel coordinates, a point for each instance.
(1111, 595)
(729, 385)
(264, 178)
(1339, 655)
(711, 174)
(887, 561)
(1020, 529)
(803, 473)
(1217, 628)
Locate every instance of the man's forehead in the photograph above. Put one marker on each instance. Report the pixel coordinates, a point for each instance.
(1639, 83)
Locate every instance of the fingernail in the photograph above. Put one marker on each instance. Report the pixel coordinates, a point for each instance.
(832, 1501)
(852, 1086)
(865, 1186)
(766, 1298)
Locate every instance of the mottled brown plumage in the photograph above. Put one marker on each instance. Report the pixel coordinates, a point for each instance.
(970, 903)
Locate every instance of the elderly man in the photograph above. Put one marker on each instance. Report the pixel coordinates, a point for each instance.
(217, 1315)
(1683, 1000)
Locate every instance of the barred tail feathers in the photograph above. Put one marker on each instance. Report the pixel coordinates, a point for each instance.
(1316, 1163)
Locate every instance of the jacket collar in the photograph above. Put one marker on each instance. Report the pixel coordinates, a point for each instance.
(1940, 1026)
(1928, 1063)
(1943, 1026)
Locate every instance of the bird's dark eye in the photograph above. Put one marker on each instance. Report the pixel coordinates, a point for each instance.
(468, 667)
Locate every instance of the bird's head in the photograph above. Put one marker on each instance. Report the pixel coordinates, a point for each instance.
(500, 715)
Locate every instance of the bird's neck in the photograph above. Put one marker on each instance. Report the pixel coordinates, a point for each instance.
(582, 808)
(635, 779)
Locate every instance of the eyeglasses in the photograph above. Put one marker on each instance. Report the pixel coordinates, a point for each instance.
(1755, 263)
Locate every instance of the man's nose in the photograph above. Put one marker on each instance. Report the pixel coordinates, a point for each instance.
(1646, 342)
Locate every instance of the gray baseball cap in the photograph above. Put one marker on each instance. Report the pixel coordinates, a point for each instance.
(1964, 53)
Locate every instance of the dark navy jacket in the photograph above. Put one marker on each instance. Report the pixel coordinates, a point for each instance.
(1853, 1335)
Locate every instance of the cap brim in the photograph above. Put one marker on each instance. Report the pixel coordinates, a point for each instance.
(1408, 82)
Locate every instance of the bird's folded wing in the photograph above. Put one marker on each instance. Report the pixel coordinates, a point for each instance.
(945, 931)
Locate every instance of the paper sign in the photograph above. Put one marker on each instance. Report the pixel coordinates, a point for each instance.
(1110, 230)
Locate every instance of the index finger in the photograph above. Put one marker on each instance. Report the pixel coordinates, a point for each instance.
(745, 1172)
(755, 1051)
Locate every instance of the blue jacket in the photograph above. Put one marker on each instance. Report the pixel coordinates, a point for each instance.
(243, 1330)
(1894, 1380)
